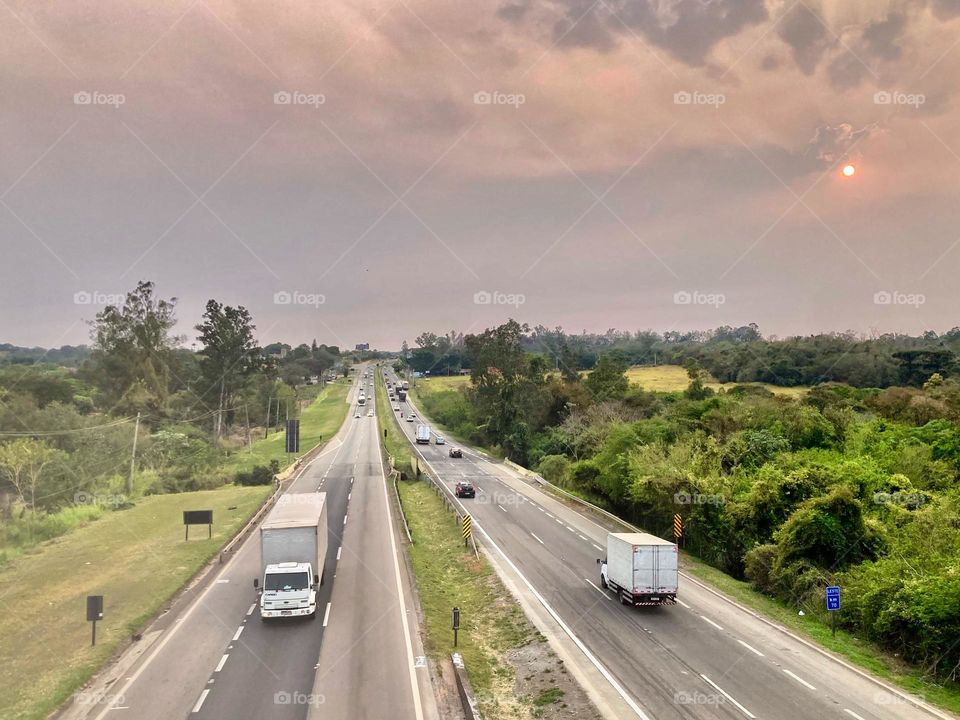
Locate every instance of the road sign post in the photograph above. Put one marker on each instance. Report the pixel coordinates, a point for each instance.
(833, 605)
(94, 613)
(467, 530)
(197, 517)
(677, 527)
(455, 624)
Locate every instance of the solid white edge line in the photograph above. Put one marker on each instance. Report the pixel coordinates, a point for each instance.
(727, 696)
(203, 696)
(199, 600)
(750, 648)
(414, 683)
(798, 679)
(601, 668)
(223, 661)
(236, 635)
(718, 627)
(326, 614)
(538, 539)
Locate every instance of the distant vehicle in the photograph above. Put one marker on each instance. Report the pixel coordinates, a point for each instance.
(640, 568)
(440, 440)
(465, 490)
(396, 408)
(362, 399)
(409, 418)
(456, 453)
(369, 413)
(357, 415)
(293, 546)
(406, 385)
(401, 395)
(423, 434)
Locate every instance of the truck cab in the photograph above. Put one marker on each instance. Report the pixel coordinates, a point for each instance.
(289, 590)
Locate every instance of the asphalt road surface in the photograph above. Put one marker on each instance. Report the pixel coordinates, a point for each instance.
(703, 658)
(358, 658)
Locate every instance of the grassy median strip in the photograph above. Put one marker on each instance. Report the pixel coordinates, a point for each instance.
(136, 558)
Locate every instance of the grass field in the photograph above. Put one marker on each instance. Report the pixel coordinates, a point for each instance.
(318, 421)
(136, 558)
(673, 378)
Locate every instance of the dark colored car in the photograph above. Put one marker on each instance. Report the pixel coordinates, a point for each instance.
(465, 490)
(456, 452)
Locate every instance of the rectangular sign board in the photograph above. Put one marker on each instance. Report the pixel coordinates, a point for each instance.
(833, 597)
(197, 517)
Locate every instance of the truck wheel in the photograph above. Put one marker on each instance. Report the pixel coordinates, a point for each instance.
(603, 583)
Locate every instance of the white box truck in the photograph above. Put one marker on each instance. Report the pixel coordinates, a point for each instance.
(423, 434)
(640, 568)
(293, 547)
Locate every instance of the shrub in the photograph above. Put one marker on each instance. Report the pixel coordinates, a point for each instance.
(258, 475)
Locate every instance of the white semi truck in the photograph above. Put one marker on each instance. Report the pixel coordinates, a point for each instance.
(641, 569)
(293, 547)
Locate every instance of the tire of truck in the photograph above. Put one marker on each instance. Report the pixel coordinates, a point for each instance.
(603, 583)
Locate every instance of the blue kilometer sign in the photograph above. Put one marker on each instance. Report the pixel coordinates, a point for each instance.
(833, 597)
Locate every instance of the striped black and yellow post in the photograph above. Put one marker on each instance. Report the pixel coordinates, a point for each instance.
(677, 526)
(467, 523)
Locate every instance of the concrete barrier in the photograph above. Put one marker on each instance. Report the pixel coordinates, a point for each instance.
(465, 689)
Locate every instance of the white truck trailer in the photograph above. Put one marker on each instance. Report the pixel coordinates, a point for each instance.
(293, 547)
(641, 569)
(423, 434)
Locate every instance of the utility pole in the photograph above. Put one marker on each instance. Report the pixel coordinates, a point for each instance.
(266, 425)
(133, 457)
(246, 414)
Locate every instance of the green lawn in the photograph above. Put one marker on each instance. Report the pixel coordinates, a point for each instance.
(673, 378)
(443, 382)
(135, 558)
(318, 421)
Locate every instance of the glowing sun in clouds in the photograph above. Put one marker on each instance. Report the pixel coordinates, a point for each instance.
(848, 170)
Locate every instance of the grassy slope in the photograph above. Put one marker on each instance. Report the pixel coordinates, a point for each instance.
(673, 378)
(136, 559)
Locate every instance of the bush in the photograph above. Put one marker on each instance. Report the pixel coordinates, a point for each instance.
(554, 469)
(759, 563)
(258, 475)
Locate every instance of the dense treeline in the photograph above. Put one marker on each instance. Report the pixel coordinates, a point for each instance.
(67, 431)
(729, 354)
(847, 485)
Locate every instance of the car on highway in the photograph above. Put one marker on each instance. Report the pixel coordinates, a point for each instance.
(465, 490)
(440, 440)
(357, 415)
(369, 413)
(409, 418)
(456, 453)
(396, 408)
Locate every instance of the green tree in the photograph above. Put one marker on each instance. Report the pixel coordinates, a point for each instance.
(229, 357)
(607, 381)
(23, 462)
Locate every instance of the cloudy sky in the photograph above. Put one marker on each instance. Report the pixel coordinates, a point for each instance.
(362, 171)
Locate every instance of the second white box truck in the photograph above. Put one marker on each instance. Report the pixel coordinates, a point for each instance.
(293, 548)
(641, 568)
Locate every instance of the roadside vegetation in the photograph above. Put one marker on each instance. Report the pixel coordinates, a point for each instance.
(136, 558)
(858, 487)
(187, 419)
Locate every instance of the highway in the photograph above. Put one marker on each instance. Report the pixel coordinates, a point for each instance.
(213, 658)
(703, 658)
